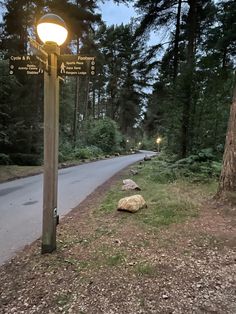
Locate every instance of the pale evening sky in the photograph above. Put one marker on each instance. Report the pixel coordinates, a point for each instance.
(117, 14)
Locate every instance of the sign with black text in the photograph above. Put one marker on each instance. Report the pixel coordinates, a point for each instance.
(30, 65)
(73, 65)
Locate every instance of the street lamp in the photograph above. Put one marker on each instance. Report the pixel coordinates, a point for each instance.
(53, 33)
(158, 141)
(52, 28)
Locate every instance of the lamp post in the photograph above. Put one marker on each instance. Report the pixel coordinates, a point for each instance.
(52, 32)
(158, 141)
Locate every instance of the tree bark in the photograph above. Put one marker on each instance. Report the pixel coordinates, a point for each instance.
(188, 76)
(176, 41)
(227, 182)
(76, 104)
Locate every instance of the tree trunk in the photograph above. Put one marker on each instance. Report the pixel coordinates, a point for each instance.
(188, 76)
(76, 104)
(94, 101)
(87, 105)
(227, 181)
(176, 41)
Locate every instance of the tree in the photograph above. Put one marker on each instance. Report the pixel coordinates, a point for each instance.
(227, 181)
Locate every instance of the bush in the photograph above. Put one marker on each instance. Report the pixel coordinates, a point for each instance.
(204, 155)
(83, 153)
(26, 159)
(88, 152)
(5, 159)
(195, 168)
(104, 134)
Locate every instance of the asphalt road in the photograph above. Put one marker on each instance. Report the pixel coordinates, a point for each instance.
(21, 200)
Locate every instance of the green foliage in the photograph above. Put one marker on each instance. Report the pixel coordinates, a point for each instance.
(26, 159)
(167, 202)
(115, 260)
(148, 143)
(204, 155)
(67, 152)
(104, 134)
(146, 269)
(196, 168)
(5, 159)
(88, 152)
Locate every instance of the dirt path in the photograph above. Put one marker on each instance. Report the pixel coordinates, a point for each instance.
(109, 263)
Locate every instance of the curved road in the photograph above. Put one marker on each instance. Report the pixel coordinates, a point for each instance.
(21, 200)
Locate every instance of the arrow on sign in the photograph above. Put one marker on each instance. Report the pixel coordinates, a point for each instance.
(74, 65)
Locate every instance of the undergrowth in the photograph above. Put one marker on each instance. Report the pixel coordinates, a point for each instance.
(173, 191)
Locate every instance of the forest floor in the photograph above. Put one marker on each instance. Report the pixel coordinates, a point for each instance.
(176, 256)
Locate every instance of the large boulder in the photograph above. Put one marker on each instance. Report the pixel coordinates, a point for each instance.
(131, 203)
(129, 184)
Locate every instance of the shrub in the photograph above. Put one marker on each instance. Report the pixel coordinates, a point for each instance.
(26, 159)
(87, 152)
(83, 153)
(194, 168)
(104, 134)
(66, 151)
(5, 159)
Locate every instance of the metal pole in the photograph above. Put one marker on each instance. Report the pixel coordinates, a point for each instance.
(51, 131)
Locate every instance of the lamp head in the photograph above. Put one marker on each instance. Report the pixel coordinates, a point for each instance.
(52, 28)
(158, 140)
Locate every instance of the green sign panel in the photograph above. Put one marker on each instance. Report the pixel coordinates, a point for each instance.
(74, 65)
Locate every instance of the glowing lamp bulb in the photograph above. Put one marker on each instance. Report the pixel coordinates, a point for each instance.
(52, 28)
(158, 140)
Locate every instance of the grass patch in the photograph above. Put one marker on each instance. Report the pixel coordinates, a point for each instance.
(145, 269)
(109, 256)
(168, 201)
(63, 299)
(115, 260)
(12, 172)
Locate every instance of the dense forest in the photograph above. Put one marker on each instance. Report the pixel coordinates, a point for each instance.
(179, 89)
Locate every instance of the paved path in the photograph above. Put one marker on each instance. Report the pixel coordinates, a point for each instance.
(21, 200)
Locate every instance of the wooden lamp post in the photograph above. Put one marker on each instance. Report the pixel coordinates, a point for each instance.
(52, 32)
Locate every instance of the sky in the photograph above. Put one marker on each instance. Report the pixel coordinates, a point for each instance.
(117, 14)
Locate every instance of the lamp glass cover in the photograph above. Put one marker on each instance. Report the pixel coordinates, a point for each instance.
(50, 32)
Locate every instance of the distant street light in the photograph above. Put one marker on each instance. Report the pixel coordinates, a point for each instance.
(53, 33)
(158, 141)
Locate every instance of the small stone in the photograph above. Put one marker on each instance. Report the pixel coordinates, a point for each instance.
(129, 184)
(165, 296)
